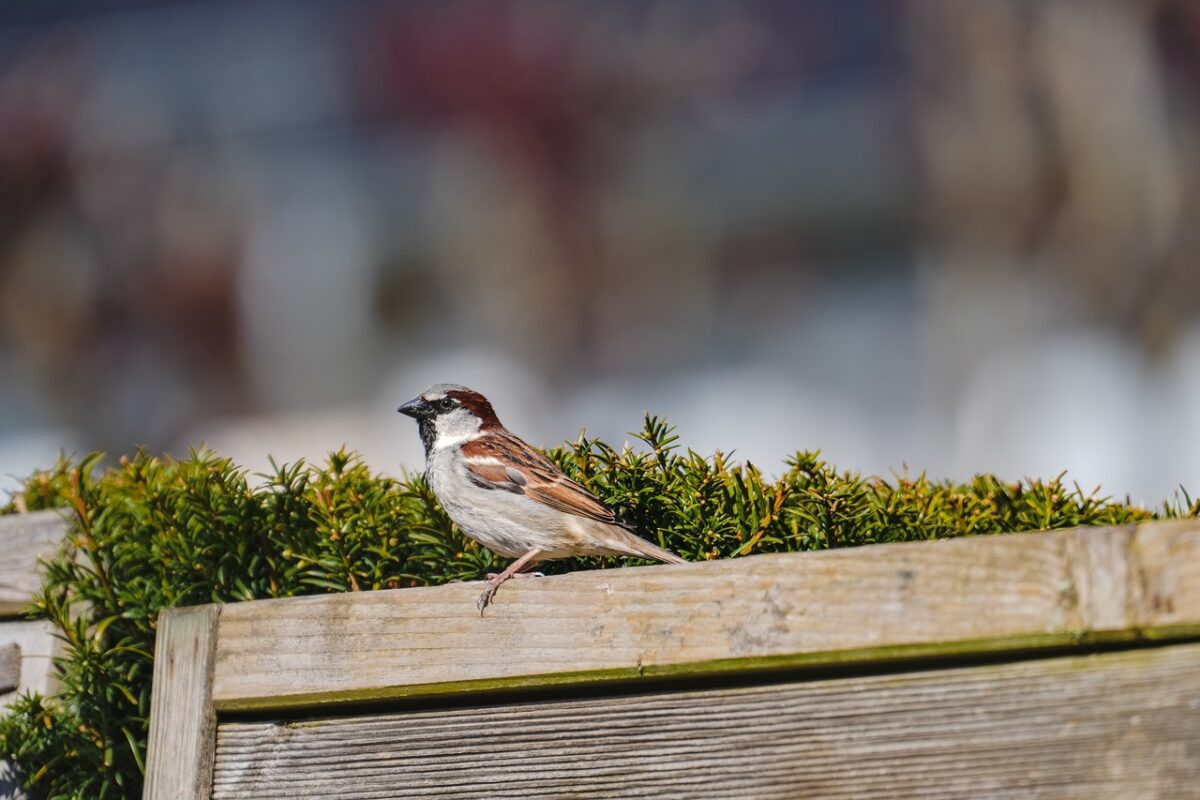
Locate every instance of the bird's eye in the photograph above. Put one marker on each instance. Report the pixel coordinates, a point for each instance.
(445, 404)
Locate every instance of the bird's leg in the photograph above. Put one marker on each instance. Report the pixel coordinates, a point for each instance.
(514, 570)
(523, 572)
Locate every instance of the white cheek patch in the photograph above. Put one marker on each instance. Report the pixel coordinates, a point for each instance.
(455, 429)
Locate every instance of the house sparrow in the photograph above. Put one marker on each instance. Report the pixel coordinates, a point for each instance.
(508, 496)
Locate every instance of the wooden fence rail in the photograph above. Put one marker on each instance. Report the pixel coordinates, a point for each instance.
(1057, 664)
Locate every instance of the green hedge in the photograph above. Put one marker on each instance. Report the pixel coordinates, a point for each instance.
(153, 533)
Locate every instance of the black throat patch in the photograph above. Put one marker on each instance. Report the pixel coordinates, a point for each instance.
(428, 434)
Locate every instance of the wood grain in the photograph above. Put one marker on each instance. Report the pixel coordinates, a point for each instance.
(1118, 725)
(182, 720)
(10, 668)
(1017, 592)
(38, 646)
(26, 539)
(1166, 580)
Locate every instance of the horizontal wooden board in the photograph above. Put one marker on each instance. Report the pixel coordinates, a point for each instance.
(1165, 586)
(26, 539)
(37, 646)
(1117, 725)
(885, 602)
(33, 644)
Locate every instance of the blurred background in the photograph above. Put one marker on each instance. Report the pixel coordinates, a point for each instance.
(954, 234)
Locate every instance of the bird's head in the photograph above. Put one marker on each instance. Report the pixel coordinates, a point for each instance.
(448, 414)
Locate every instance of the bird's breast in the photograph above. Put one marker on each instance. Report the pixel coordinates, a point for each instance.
(507, 523)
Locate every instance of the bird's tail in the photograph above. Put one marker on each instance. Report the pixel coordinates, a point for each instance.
(634, 545)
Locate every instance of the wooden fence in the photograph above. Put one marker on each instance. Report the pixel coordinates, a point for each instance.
(1062, 664)
(27, 647)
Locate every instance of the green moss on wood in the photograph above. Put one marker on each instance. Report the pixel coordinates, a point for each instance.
(797, 664)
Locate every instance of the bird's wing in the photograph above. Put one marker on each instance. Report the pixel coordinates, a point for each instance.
(502, 461)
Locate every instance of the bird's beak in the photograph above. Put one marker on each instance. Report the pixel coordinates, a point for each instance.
(414, 408)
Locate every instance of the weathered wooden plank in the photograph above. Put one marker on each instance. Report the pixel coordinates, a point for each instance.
(1117, 725)
(27, 648)
(10, 667)
(38, 646)
(1166, 580)
(1015, 592)
(34, 643)
(182, 720)
(26, 539)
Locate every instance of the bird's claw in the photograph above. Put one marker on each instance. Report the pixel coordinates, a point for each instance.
(485, 599)
(494, 581)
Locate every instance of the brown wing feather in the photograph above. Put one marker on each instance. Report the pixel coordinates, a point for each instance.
(493, 476)
(567, 495)
(542, 481)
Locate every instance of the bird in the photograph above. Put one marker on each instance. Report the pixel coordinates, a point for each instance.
(509, 497)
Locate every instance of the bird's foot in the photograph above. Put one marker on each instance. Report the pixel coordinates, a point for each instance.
(493, 585)
(489, 592)
(513, 571)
